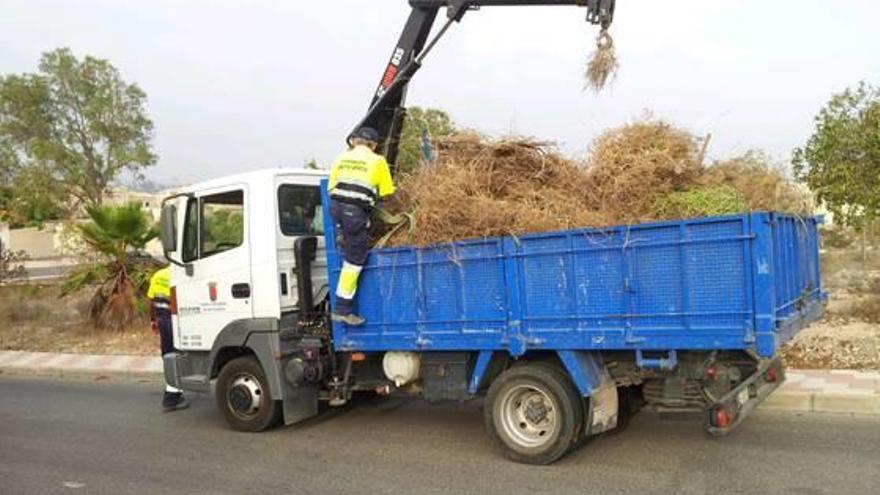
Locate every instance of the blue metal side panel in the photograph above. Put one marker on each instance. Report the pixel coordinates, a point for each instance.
(733, 282)
(763, 268)
(334, 260)
(658, 286)
(797, 283)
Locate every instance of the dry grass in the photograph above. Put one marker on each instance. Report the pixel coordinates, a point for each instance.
(630, 167)
(868, 309)
(762, 183)
(482, 187)
(602, 65)
(35, 318)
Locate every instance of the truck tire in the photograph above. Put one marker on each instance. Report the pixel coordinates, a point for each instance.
(533, 413)
(242, 395)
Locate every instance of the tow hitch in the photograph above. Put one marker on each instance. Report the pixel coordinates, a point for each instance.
(727, 412)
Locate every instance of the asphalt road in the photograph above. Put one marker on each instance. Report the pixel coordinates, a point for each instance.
(78, 437)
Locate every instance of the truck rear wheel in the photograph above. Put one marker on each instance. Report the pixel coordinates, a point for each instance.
(243, 396)
(533, 413)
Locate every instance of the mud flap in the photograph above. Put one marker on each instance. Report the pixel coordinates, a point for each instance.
(588, 373)
(299, 403)
(604, 407)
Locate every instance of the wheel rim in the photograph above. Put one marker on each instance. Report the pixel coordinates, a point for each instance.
(245, 396)
(529, 417)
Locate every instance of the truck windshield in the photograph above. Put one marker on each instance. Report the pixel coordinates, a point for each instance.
(299, 210)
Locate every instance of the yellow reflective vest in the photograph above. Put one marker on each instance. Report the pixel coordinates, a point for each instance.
(160, 284)
(360, 176)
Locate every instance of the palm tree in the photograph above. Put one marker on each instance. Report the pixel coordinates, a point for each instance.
(117, 234)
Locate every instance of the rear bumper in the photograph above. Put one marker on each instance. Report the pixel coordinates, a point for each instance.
(726, 413)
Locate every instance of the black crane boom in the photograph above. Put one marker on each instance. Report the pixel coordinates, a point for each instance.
(387, 111)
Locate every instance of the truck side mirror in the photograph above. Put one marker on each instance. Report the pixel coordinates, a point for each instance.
(168, 228)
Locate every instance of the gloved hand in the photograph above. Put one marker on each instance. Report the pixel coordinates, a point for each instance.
(154, 327)
(386, 217)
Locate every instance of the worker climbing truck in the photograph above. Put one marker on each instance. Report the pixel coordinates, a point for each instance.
(562, 334)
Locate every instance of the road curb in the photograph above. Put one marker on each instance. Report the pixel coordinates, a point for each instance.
(81, 366)
(804, 391)
(827, 391)
(96, 374)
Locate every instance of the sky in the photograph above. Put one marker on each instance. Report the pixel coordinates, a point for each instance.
(235, 86)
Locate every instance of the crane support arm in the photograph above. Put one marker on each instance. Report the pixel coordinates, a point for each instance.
(386, 112)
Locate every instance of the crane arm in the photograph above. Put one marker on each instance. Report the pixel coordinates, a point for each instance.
(387, 111)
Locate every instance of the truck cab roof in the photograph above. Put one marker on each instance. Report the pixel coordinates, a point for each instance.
(260, 176)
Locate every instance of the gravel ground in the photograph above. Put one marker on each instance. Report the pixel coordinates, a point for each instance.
(848, 337)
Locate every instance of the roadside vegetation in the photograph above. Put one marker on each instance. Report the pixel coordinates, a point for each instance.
(68, 131)
(35, 318)
(119, 276)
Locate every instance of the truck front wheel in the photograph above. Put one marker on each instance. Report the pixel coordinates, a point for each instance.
(243, 396)
(533, 413)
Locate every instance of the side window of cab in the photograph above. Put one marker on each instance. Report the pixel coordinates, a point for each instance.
(299, 210)
(213, 224)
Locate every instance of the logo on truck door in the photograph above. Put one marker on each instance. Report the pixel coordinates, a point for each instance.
(213, 305)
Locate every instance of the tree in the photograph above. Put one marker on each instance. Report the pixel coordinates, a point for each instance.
(418, 123)
(32, 196)
(118, 234)
(9, 161)
(77, 120)
(841, 160)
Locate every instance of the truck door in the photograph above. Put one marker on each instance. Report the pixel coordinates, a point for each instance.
(216, 244)
(300, 214)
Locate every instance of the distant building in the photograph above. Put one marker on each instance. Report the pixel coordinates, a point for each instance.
(37, 243)
(55, 239)
(150, 202)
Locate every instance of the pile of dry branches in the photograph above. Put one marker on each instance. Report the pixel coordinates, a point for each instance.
(763, 184)
(629, 167)
(481, 187)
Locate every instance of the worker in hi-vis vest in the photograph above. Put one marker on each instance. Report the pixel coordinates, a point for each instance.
(159, 294)
(358, 180)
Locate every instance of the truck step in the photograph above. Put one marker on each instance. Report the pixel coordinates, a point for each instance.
(195, 380)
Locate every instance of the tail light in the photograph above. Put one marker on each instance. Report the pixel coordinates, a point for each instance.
(711, 372)
(772, 375)
(174, 300)
(721, 418)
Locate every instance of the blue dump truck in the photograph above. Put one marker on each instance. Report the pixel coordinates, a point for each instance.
(562, 334)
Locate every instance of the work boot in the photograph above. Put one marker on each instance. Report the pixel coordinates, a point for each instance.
(350, 319)
(174, 401)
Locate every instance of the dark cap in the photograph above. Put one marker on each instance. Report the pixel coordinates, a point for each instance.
(368, 134)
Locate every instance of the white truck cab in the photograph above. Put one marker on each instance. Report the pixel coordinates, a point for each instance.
(231, 244)
(235, 259)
